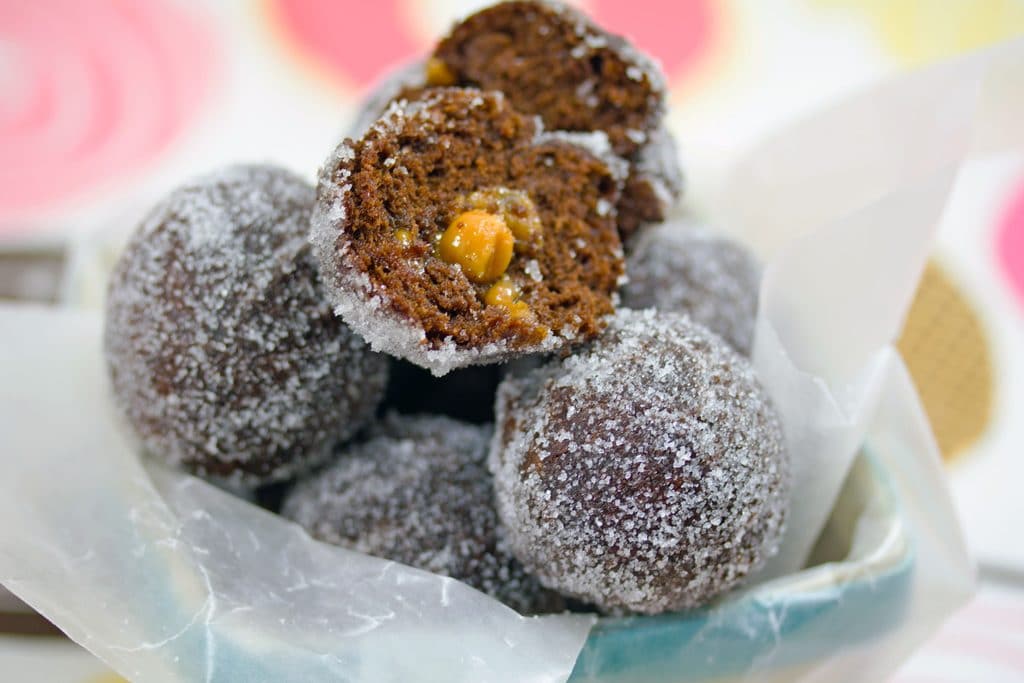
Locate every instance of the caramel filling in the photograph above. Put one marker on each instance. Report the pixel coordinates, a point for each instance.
(506, 293)
(478, 242)
(438, 74)
(515, 208)
(482, 240)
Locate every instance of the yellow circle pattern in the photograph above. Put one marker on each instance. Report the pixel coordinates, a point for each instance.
(947, 353)
(920, 31)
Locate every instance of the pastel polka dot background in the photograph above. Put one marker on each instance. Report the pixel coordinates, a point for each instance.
(92, 91)
(104, 104)
(356, 43)
(1010, 242)
(947, 352)
(919, 31)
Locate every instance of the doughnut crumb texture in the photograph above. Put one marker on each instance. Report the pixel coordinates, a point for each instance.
(417, 491)
(646, 473)
(551, 60)
(537, 210)
(222, 349)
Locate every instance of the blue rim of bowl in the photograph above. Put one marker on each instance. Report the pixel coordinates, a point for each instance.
(799, 619)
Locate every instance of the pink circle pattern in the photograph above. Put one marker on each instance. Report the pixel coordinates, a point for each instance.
(1010, 242)
(357, 42)
(679, 33)
(91, 91)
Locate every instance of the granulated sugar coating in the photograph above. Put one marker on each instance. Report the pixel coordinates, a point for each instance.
(224, 354)
(646, 473)
(418, 492)
(712, 279)
(385, 202)
(655, 183)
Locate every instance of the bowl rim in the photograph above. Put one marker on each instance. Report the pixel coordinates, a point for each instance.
(880, 563)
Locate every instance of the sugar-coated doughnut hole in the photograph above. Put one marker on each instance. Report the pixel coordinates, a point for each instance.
(646, 472)
(223, 351)
(417, 491)
(710, 278)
